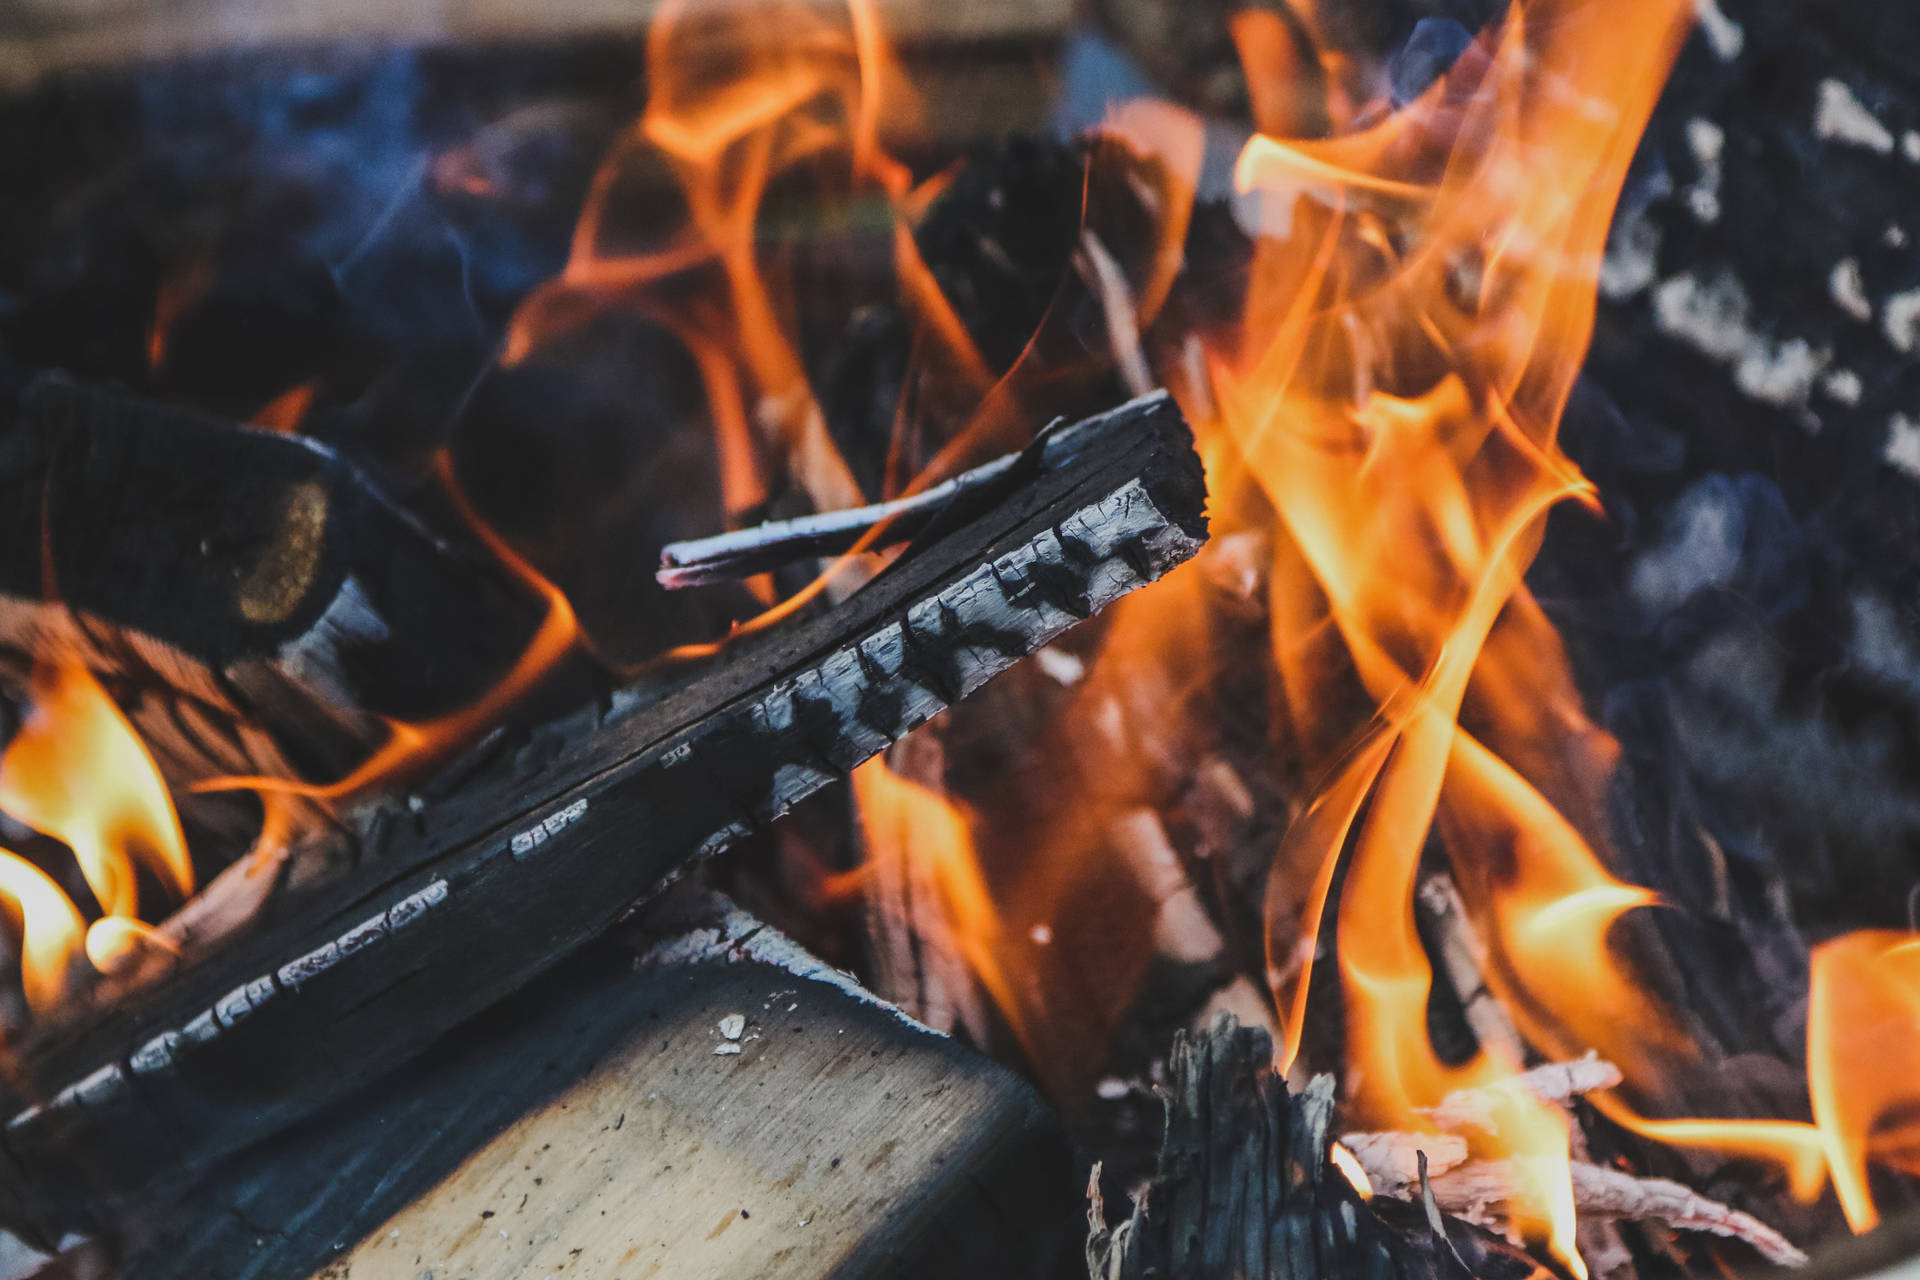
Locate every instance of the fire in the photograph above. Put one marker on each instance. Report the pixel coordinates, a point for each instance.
(1392, 392)
(1379, 416)
(913, 831)
(77, 771)
(1863, 1035)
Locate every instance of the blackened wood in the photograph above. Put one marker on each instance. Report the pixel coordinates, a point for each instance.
(1245, 1188)
(474, 894)
(241, 549)
(841, 1139)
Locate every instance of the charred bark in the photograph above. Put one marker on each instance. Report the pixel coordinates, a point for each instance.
(470, 896)
(1245, 1188)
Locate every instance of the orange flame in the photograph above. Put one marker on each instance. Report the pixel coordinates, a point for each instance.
(51, 931)
(78, 772)
(1863, 1037)
(286, 411)
(1418, 309)
(912, 826)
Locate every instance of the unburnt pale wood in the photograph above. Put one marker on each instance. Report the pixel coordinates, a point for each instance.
(589, 1128)
(469, 897)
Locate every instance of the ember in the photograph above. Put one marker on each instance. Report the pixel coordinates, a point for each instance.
(1522, 758)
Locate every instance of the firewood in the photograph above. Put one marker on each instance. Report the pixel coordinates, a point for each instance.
(1474, 1189)
(472, 894)
(253, 598)
(734, 1106)
(1245, 1187)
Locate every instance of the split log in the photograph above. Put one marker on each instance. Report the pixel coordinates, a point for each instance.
(473, 894)
(1245, 1187)
(694, 1096)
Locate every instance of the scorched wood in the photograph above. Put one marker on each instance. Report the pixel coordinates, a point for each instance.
(474, 894)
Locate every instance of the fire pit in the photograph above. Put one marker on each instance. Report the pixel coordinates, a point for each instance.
(1328, 582)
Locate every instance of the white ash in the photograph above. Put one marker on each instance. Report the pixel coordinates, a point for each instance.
(1782, 374)
(1910, 145)
(1632, 259)
(1843, 385)
(733, 1026)
(1847, 286)
(1708, 142)
(1900, 321)
(1712, 316)
(1060, 666)
(1895, 236)
(1724, 36)
(1839, 116)
(1881, 644)
(726, 1049)
(1903, 444)
(1698, 550)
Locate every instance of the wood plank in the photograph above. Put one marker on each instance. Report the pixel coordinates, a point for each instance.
(39, 38)
(588, 1128)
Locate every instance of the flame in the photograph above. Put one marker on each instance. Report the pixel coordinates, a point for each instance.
(51, 931)
(286, 411)
(77, 771)
(1350, 1168)
(1417, 311)
(1863, 1035)
(911, 829)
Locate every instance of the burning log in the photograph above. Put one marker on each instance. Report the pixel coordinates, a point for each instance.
(469, 896)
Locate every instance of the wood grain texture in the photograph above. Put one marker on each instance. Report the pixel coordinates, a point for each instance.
(588, 1128)
(472, 896)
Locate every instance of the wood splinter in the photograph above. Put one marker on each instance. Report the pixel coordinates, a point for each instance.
(1478, 1190)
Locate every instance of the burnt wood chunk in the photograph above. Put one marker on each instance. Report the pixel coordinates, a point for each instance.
(241, 548)
(697, 1097)
(1245, 1187)
(469, 896)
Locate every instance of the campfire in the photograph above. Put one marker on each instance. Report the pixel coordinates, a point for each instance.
(1328, 584)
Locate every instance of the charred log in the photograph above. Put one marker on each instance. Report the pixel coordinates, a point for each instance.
(1245, 1187)
(472, 895)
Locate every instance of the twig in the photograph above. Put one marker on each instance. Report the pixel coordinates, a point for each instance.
(1106, 278)
(729, 557)
(1471, 1190)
